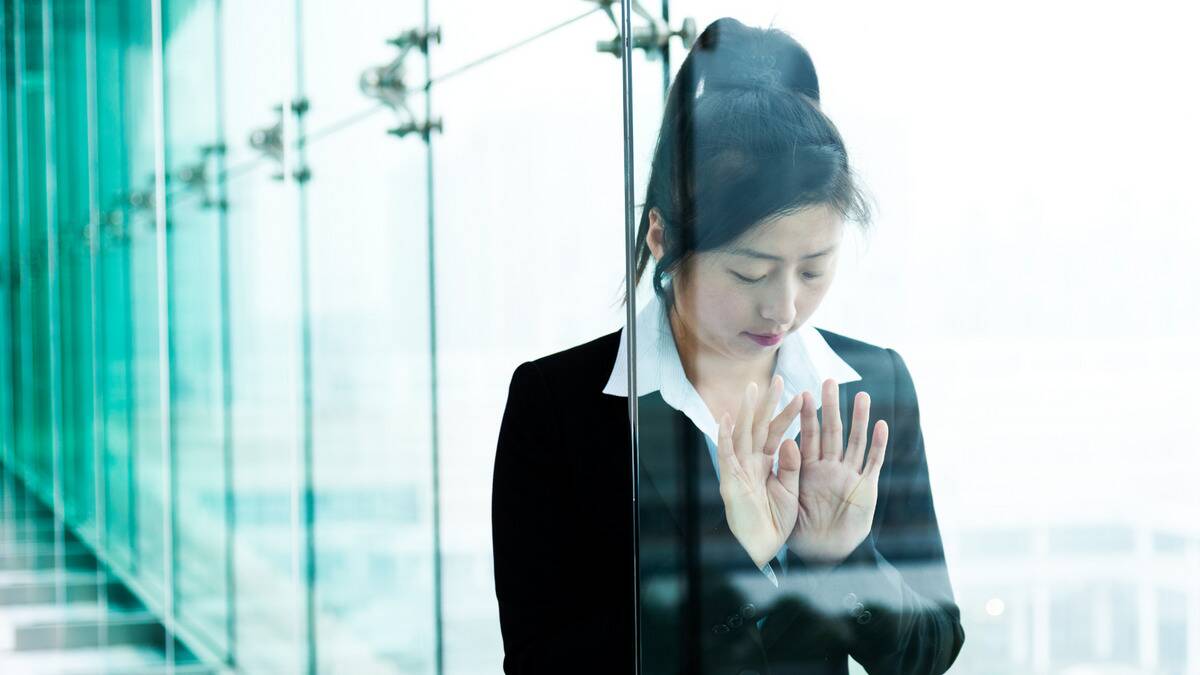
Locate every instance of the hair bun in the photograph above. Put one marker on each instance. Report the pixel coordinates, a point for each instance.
(729, 55)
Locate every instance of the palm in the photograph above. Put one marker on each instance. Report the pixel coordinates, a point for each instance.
(837, 493)
(833, 516)
(760, 506)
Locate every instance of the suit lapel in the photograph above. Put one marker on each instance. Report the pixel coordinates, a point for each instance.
(674, 460)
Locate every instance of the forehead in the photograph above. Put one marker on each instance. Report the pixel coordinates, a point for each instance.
(791, 236)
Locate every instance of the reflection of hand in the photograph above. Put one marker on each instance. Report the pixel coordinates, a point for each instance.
(760, 506)
(837, 494)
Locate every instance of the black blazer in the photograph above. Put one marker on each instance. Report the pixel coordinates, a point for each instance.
(563, 541)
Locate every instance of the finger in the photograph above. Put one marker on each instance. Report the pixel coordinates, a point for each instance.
(878, 449)
(725, 457)
(790, 462)
(810, 429)
(782, 421)
(742, 432)
(831, 421)
(857, 443)
(762, 416)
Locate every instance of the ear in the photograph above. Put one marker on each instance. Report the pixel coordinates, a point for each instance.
(654, 235)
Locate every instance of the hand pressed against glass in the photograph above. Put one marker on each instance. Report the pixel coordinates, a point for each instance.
(837, 493)
(822, 501)
(760, 506)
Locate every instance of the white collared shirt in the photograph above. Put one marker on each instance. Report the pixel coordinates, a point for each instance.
(805, 361)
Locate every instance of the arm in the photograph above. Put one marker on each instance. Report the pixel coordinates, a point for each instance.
(548, 621)
(889, 603)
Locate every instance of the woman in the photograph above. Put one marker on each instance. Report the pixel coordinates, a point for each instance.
(771, 539)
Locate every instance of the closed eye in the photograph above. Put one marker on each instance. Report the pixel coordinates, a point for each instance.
(747, 279)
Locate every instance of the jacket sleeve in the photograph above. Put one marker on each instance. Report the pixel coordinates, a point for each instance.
(541, 597)
(889, 603)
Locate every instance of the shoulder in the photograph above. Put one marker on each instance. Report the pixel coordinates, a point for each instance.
(582, 368)
(873, 362)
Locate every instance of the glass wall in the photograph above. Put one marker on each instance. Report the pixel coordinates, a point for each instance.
(316, 334)
(1022, 276)
(261, 311)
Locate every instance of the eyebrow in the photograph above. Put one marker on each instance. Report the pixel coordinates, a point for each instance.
(751, 253)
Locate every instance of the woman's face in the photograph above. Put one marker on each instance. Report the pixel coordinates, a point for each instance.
(740, 301)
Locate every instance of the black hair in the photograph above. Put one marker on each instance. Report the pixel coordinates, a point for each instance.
(742, 140)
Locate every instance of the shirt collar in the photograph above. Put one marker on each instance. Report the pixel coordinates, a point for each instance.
(805, 361)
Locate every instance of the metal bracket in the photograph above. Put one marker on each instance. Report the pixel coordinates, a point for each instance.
(112, 225)
(299, 108)
(422, 128)
(115, 223)
(199, 177)
(140, 200)
(387, 84)
(268, 141)
(651, 38)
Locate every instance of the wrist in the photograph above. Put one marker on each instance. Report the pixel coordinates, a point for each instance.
(822, 557)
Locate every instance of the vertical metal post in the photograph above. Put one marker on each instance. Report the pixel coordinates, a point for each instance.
(6, 268)
(438, 619)
(226, 346)
(54, 351)
(666, 51)
(9, 271)
(631, 307)
(157, 56)
(99, 485)
(304, 497)
(132, 386)
(23, 452)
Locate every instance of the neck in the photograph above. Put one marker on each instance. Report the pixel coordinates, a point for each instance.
(709, 371)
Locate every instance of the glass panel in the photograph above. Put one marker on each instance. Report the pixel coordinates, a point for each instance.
(25, 449)
(776, 539)
(997, 279)
(114, 329)
(562, 509)
(8, 261)
(264, 335)
(151, 543)
(196, 315)
(364, 269)
(38, 433)
(73, 212)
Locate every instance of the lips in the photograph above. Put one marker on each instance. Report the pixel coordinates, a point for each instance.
(766, 340)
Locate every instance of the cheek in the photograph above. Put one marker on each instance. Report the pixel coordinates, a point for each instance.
(721, 309)
(807, 303)
(735, 311)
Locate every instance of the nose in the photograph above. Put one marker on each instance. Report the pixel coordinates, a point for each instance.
(779, 307)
